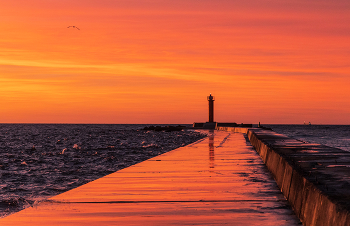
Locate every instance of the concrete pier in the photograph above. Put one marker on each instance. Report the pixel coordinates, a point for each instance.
(314, 178)
(217, 180)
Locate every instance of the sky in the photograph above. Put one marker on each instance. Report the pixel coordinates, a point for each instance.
(156, 61)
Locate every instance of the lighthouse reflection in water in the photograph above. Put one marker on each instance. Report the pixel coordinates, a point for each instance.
(211, 149)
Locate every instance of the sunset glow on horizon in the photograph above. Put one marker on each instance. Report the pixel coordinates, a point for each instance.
(157, 61)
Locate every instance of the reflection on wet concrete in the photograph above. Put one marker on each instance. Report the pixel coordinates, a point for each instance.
(176, 188)
(211, 149)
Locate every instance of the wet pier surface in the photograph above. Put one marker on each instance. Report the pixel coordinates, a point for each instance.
(217, 180)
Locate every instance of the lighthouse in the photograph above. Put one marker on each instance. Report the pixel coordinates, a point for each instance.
(211, 100)
(211, 124)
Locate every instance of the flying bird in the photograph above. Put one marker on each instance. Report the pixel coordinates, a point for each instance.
(73, 27)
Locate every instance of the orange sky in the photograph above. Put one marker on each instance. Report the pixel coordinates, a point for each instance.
(157, 61)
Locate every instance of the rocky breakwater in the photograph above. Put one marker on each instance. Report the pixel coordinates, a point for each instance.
(165, 128)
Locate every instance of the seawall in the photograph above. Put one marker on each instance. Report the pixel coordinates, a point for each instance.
(314, 178)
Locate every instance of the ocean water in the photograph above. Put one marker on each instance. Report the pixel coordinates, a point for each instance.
(42, 160)
(337, 136)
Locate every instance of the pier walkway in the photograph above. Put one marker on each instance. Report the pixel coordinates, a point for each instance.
(217, 180)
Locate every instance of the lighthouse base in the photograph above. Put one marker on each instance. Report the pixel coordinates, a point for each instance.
(209, 125)
(213, 125)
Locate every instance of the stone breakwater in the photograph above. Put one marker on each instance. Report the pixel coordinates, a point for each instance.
(314, 178)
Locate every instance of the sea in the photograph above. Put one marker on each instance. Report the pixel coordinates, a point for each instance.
(337, 136)
(38, 161)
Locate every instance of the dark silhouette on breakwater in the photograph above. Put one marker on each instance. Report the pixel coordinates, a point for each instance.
(165, 128)
(263, 127)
